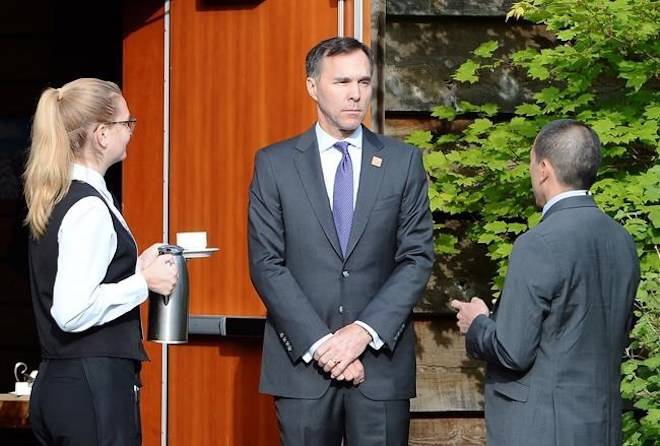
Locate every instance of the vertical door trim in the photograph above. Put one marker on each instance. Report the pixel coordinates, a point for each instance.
(164, 396)
(340, 18)
(358, 18)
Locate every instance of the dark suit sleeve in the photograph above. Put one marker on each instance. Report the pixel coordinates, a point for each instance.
(388, 311)
(288, 307)
(512, 339)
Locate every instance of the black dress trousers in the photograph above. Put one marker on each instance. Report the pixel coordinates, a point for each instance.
(86, 402)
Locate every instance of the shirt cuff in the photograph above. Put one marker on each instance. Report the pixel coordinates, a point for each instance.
(309, 354)
(136, 285)
(376, 342)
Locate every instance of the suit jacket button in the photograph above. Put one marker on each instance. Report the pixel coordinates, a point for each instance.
(281, 335)
(341, 309)
(288, 348)
(345, 273)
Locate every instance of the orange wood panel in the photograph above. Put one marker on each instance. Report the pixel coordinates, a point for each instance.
(349, 8)
(238, 84)
(142, 171)
(215, 401)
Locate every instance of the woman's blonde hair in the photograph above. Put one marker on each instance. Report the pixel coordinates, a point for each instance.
(62, 122)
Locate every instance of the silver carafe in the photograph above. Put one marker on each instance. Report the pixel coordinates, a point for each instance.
(168, 315)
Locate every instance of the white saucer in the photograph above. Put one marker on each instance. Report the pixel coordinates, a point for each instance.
(19, 393)
(198, 253)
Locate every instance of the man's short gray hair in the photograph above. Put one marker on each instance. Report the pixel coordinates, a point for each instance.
(573, 149)
(332, 47)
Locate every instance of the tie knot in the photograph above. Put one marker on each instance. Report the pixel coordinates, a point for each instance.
(342, 146)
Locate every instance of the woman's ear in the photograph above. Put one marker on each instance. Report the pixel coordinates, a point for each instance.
(101, 136)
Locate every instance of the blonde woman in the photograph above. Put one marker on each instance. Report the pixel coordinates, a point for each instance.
(86, 277)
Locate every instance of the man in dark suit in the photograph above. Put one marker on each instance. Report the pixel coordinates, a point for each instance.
(554, 344)
(340, 245)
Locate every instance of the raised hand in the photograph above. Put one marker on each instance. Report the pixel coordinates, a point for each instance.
(468, 311)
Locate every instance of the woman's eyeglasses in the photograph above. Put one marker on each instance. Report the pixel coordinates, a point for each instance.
(130, 123)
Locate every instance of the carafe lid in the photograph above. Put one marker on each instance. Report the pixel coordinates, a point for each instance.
(175, 250)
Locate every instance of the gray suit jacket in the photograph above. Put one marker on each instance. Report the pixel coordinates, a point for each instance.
(555, 343)
(310, 290)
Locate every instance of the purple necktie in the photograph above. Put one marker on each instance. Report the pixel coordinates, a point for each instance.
(342, 199)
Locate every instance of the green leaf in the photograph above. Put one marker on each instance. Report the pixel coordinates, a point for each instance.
(421, 139)
(486, 49)
(547, 95)
(489, 109)
(636, 73)
(652, 363)
(443, 112)
(467, 72)
(567, 34)
(537, 70)
(652, 111)
(480, 125)
(496, 227)
(447, 138)
(502, 251)
(534, 219)
(654, 215)
(446, 244)
(435, 160)
(528, 109)
(516, 228)
(629, 367)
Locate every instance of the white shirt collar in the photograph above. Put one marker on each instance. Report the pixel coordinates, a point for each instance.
(93, 178)
(326, 141)
(559, 197)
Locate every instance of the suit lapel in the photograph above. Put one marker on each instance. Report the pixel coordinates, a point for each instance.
(308, 164)
(370, 179)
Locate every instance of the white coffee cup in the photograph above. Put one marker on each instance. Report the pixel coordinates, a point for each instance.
(22, 388)
(191, 240)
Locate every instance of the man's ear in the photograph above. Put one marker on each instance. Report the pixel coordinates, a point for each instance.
(311, 88)
(546, 170)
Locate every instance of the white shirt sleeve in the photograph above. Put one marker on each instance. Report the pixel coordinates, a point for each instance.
(309, 354)
(87, 243)
(376, 342)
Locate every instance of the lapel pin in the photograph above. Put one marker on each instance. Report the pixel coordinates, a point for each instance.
(376, 161)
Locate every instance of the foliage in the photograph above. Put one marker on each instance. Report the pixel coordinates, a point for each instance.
(604, 71)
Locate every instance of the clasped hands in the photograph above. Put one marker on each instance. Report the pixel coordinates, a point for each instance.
(339, 355)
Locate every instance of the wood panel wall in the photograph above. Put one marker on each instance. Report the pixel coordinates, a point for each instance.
(237, 84)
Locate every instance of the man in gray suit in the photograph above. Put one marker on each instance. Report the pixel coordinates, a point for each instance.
(340, 245)
(555, 341)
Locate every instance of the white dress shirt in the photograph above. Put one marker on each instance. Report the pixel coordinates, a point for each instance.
(330, 159)
(87, 243)
(567, 194)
